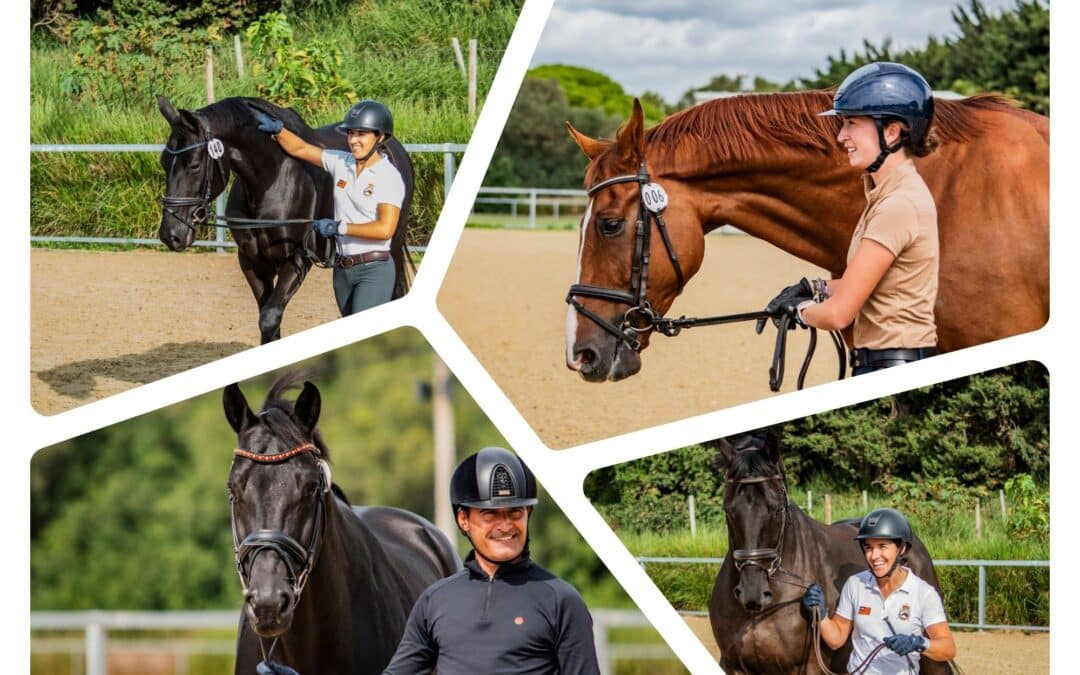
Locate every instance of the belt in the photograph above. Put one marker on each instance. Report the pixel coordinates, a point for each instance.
(361, 258)
(884, 358)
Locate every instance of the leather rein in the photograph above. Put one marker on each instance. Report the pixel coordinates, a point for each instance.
(641, 317)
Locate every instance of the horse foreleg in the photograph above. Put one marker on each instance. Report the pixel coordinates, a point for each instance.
(290, 276)
(261, 282)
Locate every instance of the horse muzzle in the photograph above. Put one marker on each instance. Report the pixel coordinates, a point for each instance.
(599, 356)
(752, 591)
(269, 609)
(178, 233)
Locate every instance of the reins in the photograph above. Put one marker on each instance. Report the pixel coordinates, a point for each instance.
(642, 318)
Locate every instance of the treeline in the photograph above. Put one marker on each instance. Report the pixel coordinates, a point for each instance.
(96, 69)
(135, 516)
(1007, 52)
(938, 446)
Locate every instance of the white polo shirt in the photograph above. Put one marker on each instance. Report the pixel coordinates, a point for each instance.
(910, 609)
(356, 198)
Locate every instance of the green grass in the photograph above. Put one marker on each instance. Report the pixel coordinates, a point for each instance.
(395, 51)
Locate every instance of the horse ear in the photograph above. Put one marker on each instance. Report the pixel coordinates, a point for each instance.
(308, 405)
(167, 110)
(727, 452)
(630, 139)
(771, 446)
(236, 408)
(592, 147)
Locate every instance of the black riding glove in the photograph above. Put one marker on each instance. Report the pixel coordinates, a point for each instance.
(787, 303)
(904, 644)
(270, 125)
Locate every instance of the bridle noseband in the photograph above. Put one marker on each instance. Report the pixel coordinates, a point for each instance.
(640, 317)
(215, 149)
(755, 556)
(298, 559)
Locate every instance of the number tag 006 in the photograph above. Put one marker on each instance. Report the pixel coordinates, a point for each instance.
(654, 197)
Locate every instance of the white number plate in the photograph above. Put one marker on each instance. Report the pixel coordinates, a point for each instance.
(654, 197)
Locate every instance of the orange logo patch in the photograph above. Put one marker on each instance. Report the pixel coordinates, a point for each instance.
(519, 620)
(341, 183)
(864, 611)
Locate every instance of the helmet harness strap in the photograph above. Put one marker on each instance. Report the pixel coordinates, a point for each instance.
(886, 150)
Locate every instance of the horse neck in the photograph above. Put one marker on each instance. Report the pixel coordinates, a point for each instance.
(803, 202)
(253, 157)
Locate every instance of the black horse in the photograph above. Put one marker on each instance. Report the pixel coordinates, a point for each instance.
(775, 551)
(273, 199)
(327, 586)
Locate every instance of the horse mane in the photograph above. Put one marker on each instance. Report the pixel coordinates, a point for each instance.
(758, 126)
(235, 112)
(278, 414)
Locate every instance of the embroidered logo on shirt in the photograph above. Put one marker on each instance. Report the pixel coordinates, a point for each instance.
(369, 190)
(519, 620)
(864, 611)
(341, 183)
(905, 612)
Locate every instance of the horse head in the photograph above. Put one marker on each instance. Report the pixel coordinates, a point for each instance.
(279, 490)
(756, 510)
(196, 172)
(617, 290)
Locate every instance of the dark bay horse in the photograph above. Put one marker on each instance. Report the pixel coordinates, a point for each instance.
(206, 146)
(327, 586)
(768, 165)
(774, 553)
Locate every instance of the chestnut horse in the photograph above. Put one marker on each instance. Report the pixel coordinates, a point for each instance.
(767, 164)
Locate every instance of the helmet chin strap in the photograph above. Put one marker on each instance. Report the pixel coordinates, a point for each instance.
(379, 142)
(885, 150)
(896, 563)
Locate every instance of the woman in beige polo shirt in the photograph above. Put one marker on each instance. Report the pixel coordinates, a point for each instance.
(890, 284)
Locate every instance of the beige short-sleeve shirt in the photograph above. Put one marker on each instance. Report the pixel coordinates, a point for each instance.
(901, 216)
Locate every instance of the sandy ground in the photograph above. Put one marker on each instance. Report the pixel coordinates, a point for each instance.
(504, 295)
(986, 653)
(104, 322)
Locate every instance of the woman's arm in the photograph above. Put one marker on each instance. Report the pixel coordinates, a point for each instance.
(835, 630)
(849, 293)
(299, 148)
(382, 227)
(942, 646)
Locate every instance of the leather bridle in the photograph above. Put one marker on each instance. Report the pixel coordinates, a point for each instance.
(758, 557)
(298, 559)
(215, 149)
(642, 318)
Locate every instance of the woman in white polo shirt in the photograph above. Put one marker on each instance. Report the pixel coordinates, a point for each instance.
(368, 192)
(887, 604)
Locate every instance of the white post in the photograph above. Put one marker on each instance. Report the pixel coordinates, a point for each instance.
(532, 207)
(828, 509)
(600, 641)
(1001, 498)
(239, 55)
(457, 55)
(443, 433)
(96, 650)
(978, 520)
(693, 520)
(865, 502)
(472, 79)
(449, 167)
(209, 75)
(809, 501)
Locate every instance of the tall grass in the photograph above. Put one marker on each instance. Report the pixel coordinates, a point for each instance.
(397, 51)
(1015, 596)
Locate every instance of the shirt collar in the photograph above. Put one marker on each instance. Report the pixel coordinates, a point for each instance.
(872, 189)
(516, 566)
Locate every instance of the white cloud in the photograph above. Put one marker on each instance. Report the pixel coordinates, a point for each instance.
(674, 46)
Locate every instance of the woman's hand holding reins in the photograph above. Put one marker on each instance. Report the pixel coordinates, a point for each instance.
(327, 227)
(813, 600)
(905, 644)
(787, 303)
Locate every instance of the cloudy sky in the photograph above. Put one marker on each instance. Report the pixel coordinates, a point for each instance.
(670, 46)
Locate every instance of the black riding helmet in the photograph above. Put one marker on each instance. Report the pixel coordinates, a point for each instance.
(884, 91)
(887, 524)
(493, 478)
(368, 115)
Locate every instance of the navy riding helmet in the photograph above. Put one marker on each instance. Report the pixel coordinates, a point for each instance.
(883, 91)
(369, 115)
(493, 478)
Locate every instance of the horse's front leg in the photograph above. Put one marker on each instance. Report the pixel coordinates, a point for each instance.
(290, 275)
(261, 281)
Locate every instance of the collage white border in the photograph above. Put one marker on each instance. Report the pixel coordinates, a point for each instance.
(561, 472)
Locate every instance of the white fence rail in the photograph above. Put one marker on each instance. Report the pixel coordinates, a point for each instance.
(448, 151)
(982, 566)
(89, 656)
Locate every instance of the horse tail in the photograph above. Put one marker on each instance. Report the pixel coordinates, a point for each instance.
(404, 267)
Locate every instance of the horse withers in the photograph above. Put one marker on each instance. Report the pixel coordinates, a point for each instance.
(327, 586)
(272, 202)
(767, 164)
(775, 551)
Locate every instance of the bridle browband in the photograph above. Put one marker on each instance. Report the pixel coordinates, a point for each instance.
(642, 318)
(298, 559)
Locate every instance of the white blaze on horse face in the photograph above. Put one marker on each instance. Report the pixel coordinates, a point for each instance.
(571, 313)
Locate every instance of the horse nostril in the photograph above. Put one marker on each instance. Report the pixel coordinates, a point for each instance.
(585, 359)
(767, 596)
(738, 593)
(285, 601)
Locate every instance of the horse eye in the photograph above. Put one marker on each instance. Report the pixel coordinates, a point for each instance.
(611, 226)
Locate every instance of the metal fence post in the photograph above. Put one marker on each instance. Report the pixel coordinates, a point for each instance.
(532, 208)
(448, 173)
(982, 597)
(220, 229)
(600, 638)
(96, 650)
